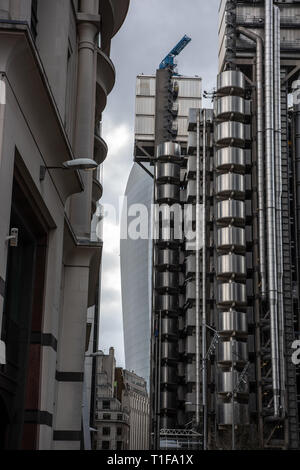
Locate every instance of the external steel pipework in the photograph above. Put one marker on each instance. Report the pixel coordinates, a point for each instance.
(260, 154)
(204, 320)
(271, 200)
(198, 224)
(278, 169)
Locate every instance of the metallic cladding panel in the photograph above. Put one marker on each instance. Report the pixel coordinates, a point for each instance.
(231, 132)
(169, 351)
(167, 257)
(241, 414)
(231, 184)
(169, 375)
(190, 88)
(167, 172)
(230, 157)
(190, 317)
(190, 345)
(228, 353)
(225, 383)
(144, 125)
(231, 264)
(145, 106)
(146, 85)
(169, 327)
(228, 107)
(190, 373)
(231, 210)
(191, 190)
(167, 193)
(168, 400)
(232, 294)
(167, 281)
(169, 236)
(191, 291)
(232, 322)
(231, 81)
(169, 150)
(190, 265)
(191, 166)
(166, 303)
(229, 237)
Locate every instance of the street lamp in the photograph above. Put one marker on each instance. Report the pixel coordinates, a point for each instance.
(85, 164)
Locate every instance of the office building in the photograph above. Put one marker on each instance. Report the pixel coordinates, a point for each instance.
(122, 408)
(225, 309)
(53, 89)
(132, 392)
(111, 416)
(136, 254)
(136, 263)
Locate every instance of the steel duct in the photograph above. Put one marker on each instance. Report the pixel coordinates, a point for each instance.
(278, 169)
(166, 284)
(198, 225)
(271, 199)
(230, 218)
(260, 155)
(204, 319)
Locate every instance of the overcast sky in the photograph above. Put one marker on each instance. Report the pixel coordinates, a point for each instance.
(151, 29)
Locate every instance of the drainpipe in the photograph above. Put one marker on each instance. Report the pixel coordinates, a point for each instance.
(80, 210)
(260, 155)
(278, 169)
(271, 200)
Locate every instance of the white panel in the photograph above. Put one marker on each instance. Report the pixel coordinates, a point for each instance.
(146, 86)
(189, 88)
(145, 105)
(182, 126)
(186, 104)
(249, 12)
(145, 125)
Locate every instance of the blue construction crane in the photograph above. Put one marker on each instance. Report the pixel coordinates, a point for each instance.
(169, 60)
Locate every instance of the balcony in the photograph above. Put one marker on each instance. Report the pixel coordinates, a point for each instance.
(100, 147)
(113, 13)
(106, 77)
(97, 193)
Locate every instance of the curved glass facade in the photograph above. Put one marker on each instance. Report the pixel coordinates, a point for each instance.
(136, 263)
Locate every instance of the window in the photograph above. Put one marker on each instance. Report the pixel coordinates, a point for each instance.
(105, 445)
(119, 431)
(119, 445)
(120, 417)
(106, 431)
(106, 417)
(106, 405)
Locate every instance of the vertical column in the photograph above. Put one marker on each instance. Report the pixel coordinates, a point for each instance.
(166, 283)
(71, 350)
(80, 211)
(232, 133)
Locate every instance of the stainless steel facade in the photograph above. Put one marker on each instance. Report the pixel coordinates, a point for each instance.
(238, 307)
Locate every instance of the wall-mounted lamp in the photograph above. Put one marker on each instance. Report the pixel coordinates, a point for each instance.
(84, 164)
